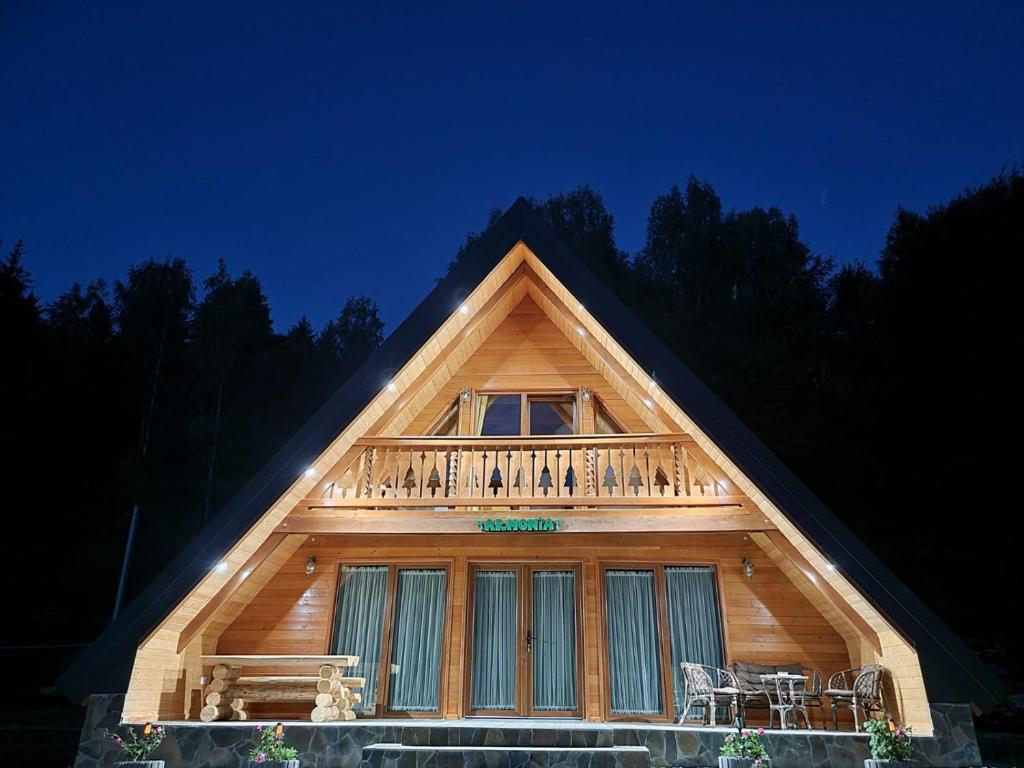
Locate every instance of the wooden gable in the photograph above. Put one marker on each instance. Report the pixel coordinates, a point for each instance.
(520, 329)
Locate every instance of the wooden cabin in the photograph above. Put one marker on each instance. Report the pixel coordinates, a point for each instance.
(505, 513)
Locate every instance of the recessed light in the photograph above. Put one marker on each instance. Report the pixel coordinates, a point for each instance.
(464, 309)
(220, 567)
(310, 472)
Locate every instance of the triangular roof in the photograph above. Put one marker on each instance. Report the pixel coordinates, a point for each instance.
(951, 671)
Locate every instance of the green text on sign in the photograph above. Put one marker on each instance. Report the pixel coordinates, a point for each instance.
(504, 525)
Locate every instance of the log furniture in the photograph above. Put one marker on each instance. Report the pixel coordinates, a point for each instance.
(318, 680)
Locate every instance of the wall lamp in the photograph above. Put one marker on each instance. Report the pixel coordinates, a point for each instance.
(748, 568)
(310, 566)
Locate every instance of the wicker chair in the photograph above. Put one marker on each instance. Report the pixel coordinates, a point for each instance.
(814, 697)
(708, 688)
(857, 689)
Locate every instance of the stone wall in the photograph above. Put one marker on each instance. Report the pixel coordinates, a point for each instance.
(340, 745)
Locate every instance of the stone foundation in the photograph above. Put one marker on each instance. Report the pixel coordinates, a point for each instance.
(343, 745)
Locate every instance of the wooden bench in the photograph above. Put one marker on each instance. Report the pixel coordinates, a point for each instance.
(328, 691)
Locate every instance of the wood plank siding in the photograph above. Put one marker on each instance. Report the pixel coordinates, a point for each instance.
(766, 619)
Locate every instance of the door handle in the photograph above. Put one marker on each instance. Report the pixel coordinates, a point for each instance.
(529, 640)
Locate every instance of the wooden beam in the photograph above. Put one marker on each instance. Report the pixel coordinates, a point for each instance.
(504, 502)
(784, 545)
(265, 550)
(574, 521)
(528, 441)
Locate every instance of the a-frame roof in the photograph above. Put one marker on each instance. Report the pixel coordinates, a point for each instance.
(952, 672)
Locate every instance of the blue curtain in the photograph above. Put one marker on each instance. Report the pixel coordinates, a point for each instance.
(554, 641)
(359, 624)
(416, 640)
(634, 661)
(495, 637)
(695, 631)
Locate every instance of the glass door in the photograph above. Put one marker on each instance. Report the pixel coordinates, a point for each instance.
(524, 655)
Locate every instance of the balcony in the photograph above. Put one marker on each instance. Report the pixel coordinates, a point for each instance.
(582, 471)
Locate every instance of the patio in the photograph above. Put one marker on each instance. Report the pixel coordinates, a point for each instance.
(507, 742)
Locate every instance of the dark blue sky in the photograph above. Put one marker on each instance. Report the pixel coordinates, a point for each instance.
(336, 150)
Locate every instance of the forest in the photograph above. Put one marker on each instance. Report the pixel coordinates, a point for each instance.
(884, 384)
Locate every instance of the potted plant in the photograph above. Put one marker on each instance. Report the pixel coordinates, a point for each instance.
(137, 746)
(743, 750)
(271, 751)
(890, 745)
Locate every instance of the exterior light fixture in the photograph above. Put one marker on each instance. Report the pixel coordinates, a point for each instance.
(581, 330)
(465, 394)
(585, 394)
(830, 566)
(245, 574)
(310, 565)
(464, 309)
(220, 567)
(310, 472)
(748, 568)
(649, 403)
(392, 387)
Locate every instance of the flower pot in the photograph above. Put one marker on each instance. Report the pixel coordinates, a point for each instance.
(890, 763)
(274, 764)
(741, 762)
(139, 764)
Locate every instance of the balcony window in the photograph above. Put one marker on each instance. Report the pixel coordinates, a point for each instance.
(525, 414)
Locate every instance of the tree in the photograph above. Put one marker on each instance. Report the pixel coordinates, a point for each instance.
(347, 340)
(581, 219)
(231, 331)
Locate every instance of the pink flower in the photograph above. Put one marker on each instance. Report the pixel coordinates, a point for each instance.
(760, 731)
(745, 732)
(159, 729)
(261, 757)
(757, 761)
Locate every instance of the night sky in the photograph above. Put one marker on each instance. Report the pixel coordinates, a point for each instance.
(336, 150)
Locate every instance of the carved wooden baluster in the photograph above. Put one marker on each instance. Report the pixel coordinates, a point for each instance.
(609, 473)
(558, 471)
(677, 470)
(647, 468)
(453, 472)
(508, 472)
(590, 471)
(622, 469)
(423, 460)
(483, 474)
(368, 454)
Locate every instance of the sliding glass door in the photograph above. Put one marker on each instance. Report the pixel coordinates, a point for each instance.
(524, 657)
(396, 613)
(657, 617)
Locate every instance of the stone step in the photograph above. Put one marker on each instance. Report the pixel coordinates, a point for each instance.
(520, 756)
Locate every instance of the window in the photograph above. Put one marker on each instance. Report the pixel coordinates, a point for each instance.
(499, 414)
(604, 422)
(448, 424)
(525, 414)
(687, 597)
(400, 646)
(553, 415)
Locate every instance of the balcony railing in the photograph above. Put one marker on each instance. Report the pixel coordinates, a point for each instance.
(648, 470)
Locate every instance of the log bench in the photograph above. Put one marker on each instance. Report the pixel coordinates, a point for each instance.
(318, 680)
